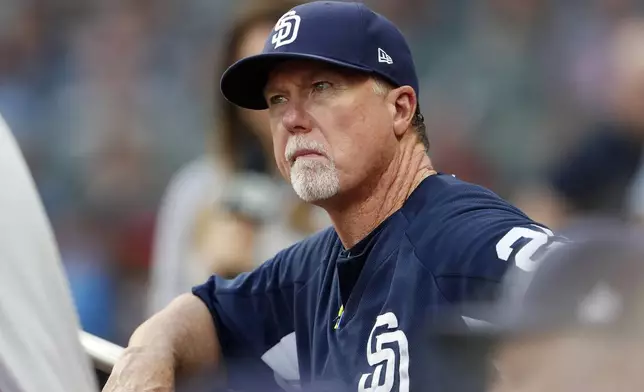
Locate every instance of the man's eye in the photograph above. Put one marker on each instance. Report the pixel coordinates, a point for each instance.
(276, 99)
(321, 86)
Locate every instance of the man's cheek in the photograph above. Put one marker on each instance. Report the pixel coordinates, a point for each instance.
(279, 148)
(283, 167)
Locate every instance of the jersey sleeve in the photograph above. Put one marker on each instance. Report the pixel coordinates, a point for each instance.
(255, 314)
(253, 311)
(479, 246)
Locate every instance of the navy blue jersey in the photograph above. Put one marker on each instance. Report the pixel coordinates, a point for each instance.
(318, 313)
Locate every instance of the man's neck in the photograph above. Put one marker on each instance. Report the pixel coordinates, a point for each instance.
(355, 220)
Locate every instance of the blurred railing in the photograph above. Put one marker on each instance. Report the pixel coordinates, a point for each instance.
(103, 353)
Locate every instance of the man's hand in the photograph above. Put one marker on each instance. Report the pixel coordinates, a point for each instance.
(142, 369)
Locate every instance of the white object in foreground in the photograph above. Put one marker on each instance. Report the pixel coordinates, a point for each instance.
(39, 347)
(103, 353)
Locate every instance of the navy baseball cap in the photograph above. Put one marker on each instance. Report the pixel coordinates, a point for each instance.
(345, 34)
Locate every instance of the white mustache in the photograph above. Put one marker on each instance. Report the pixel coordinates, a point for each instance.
(299, 143)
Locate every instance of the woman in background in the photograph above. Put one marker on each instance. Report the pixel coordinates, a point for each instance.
(227, 212)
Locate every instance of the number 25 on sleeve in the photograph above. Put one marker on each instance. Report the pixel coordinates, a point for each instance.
(538, 241)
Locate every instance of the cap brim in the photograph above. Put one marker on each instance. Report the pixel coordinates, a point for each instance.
(243, 82)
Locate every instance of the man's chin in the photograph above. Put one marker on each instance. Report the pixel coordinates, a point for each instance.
(315, 188)
(312, 195)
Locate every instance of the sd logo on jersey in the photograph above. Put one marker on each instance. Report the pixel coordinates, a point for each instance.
(386, 358)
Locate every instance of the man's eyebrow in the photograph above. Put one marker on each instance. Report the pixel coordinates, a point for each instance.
(272, 89)
(268, 87)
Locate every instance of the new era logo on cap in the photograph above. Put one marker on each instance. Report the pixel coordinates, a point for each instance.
(383, 57)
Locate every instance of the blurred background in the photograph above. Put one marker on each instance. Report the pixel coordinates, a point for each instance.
(152, 182)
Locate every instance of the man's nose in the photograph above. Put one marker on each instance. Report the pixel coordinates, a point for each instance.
(296, 119)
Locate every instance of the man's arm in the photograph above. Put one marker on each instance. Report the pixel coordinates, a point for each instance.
(237, 319)
(180, 339)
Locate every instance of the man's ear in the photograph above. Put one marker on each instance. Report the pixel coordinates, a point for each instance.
(404, 101)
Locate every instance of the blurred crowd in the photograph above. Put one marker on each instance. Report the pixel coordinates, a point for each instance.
(152, 182)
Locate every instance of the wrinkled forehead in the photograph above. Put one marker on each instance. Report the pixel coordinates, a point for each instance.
(299, 71)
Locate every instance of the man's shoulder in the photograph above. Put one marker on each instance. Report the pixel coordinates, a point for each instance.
(463, 193)
(461, 226)
(447, 200)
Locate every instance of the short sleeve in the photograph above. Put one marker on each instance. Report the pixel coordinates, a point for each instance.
(253, 311)
(481, 247)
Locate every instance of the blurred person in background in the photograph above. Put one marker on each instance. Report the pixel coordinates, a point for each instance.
(576, 323)
(228, 211)
(603, 175)
(39, 328)
(581, 326)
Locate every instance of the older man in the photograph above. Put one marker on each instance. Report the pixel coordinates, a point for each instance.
(347, 305)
